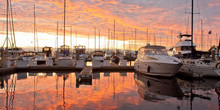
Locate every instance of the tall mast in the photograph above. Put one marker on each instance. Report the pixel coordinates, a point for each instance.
(192, 31)
(147, 35)
(108, 37)
(7, 24)
(34, 30)
(76, 35)
(95, 37)
(57, 34)
(171, 36)
(114, 34)
(99, 39)
(154, 39)
(135, 39)
(123, 39)
(64, 32)
(88, 41)
(71, 39)
(201, 35)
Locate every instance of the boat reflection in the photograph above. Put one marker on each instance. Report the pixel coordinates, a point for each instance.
(199, 88)
(155, 89)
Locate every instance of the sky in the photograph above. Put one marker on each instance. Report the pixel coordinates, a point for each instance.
(164, 20)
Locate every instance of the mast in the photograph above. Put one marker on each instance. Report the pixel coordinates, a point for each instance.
(12, 23)
(154, 39)
(34, 30)
(7, 24)
(114, 34)
(135, 39)
(88, 41)
(147, 35)
(99, 39)
(71, 39)
(192, 31)
(76, 36)
(108, 37)
(57, 34)
(95, 37)
(64, 32)
(201, 35)
(123, 39)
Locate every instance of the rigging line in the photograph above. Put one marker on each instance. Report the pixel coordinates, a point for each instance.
(12, 23)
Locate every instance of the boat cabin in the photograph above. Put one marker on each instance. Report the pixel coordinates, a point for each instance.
(48, 51)
(152, 50)
(183, 47)
(98, 53)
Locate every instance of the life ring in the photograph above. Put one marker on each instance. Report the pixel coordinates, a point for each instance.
(217, 65)
(148, 69)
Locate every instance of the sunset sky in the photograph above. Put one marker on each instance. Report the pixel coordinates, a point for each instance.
(158, 16)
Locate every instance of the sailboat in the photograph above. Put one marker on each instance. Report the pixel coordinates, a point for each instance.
(5, 60)
(198, 67)
(64, 58)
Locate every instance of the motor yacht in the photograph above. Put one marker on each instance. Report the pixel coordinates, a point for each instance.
(154, 60)
(80, 56)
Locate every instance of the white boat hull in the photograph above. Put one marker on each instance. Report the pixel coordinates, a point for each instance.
(157, 68)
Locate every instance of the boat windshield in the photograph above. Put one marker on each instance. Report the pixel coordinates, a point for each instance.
(98, 53)
(156, 52)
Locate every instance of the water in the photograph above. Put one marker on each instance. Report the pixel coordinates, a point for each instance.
(124, 91)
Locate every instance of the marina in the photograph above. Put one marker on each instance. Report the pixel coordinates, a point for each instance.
(121, 55)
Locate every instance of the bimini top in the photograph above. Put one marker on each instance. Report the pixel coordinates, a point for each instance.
(184, 43)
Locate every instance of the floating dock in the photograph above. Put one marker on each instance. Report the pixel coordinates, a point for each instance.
(86, 73)
(112, 68)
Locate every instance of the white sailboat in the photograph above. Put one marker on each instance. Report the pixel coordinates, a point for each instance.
(64, 58)
(154, 60)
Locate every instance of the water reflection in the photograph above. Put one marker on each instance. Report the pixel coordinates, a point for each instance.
(107, 90)
(155, 89)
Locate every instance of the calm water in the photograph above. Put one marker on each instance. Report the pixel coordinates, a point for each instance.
(122, 91)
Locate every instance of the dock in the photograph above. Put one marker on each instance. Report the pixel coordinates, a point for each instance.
(14, 69)
(86, 73)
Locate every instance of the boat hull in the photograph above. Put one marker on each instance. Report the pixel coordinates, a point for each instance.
(97, 63)
(157, 68)
(198, 71)
(65, 62)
